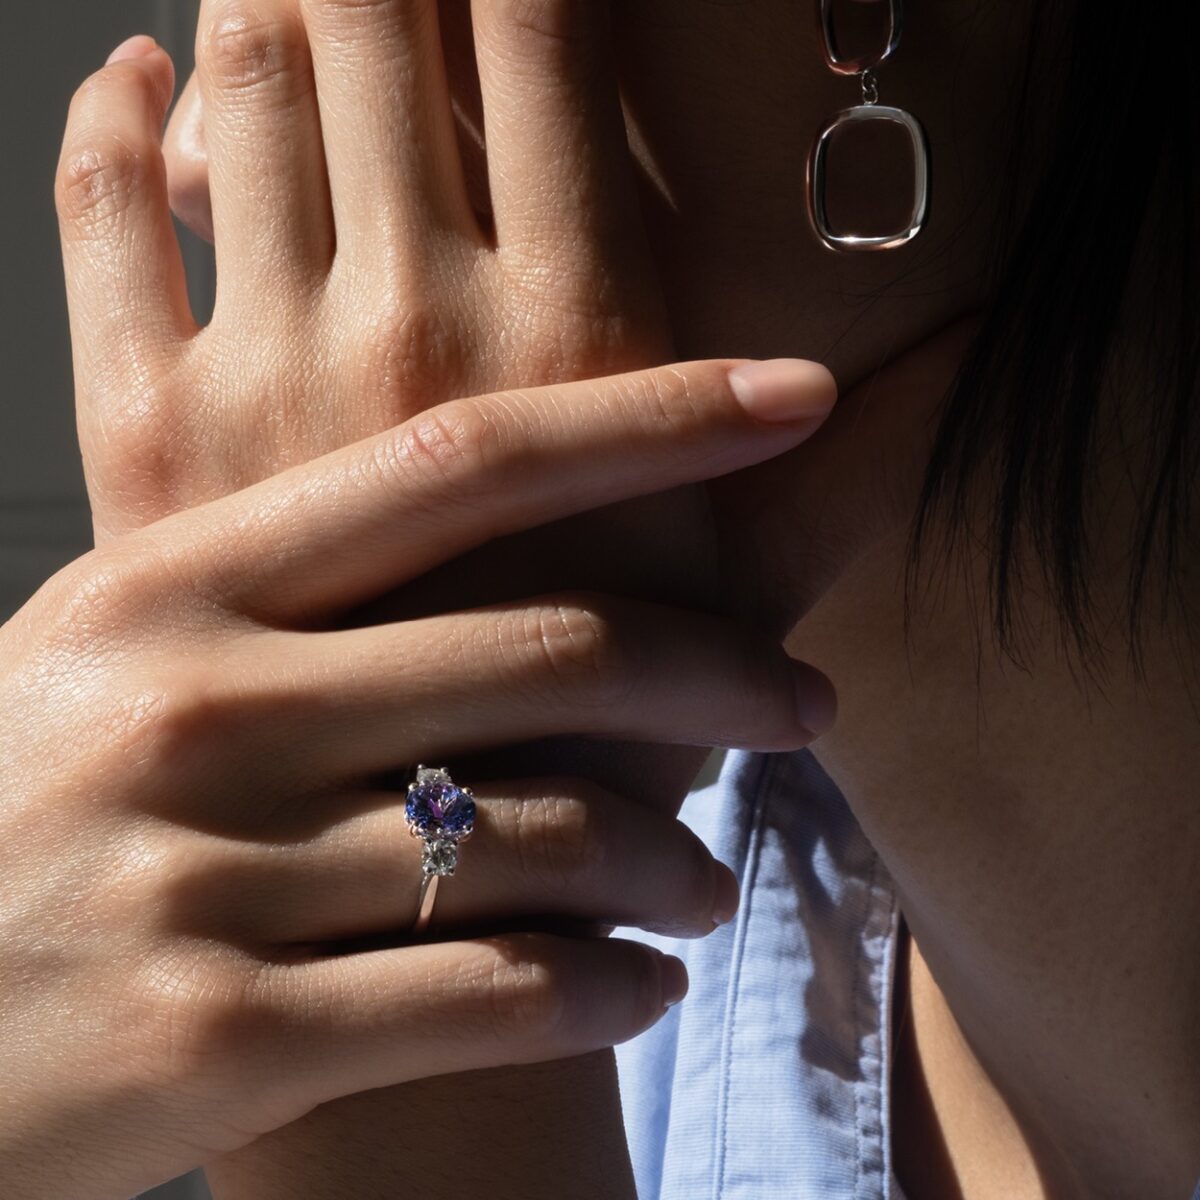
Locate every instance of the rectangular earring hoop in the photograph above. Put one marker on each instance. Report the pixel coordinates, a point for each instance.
(863, 66)
(864, 62)
(818, 176)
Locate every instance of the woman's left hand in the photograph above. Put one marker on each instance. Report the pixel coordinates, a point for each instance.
(188, 762)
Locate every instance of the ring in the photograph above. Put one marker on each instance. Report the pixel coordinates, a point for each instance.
(442, 815)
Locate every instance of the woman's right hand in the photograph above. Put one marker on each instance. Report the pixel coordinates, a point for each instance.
(189, 839)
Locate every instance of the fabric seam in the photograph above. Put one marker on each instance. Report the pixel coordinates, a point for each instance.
(862, 978)
(856, 1022)
(879, 975)
(761, 793)
(887, 1001)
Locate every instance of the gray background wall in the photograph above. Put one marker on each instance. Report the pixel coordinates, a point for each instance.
(46, 48)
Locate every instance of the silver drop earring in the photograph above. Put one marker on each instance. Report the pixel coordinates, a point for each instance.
(864, 66)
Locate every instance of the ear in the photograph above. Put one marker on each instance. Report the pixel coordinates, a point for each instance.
(187, 163)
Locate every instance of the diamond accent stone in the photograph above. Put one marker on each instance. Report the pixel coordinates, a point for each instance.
(439, 858)
(433, 775)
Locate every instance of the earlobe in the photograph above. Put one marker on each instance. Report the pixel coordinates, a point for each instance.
(186, 154)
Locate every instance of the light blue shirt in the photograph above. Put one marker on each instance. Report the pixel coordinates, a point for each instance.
(771, 1081)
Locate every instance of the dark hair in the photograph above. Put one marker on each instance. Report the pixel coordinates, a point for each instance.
(1101, 218)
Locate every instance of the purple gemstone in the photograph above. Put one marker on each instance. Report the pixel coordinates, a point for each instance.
(440, 810)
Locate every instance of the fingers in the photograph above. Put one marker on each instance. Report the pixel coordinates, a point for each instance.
(549, 848)
(558, 159)
(371, 698)
(269, 193)
(390, 139)
(124, 272)
(345, 1025)
(186, 153)
(367, 519)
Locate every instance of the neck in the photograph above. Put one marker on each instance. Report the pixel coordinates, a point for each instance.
(954, 1135)
(1045, 850)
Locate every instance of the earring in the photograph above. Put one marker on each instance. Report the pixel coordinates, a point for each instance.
(869, 110)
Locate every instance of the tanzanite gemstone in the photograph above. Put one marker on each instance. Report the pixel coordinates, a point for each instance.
(440, 810)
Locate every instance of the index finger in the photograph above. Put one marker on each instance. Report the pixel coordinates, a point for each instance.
(369, 518)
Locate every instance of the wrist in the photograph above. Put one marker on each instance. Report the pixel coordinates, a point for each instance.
(552, 1131)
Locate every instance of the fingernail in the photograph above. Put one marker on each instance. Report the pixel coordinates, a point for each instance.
(816, 701)
(674, 980)
(783, 389)
(727, 897)
(138, 46)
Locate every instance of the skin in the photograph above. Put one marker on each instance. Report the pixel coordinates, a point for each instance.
(554, 290)
(224, 901)
(224, 953)
(1039, 802)
(1035, 784)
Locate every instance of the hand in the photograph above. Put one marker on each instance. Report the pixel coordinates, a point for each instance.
(357, 284)
(766, 543)
(189, 743)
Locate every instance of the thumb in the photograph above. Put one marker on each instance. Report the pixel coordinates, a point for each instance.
(186, 155)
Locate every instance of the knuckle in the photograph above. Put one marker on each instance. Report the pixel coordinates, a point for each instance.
(137, 436)
(365, 7)
(167, 884)
(194, 711)
(447, 450)
(665, 407)
(106, 591)
(98, 182)
(140, 441)
(415, 352)
(673, 399)
(245, 53)
(579, 646)
(668, 402)
(562, 843)
(167, 727)
(143, 873)
(547, 26)
(201, 1020)
(371, 14)
(528, 992)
